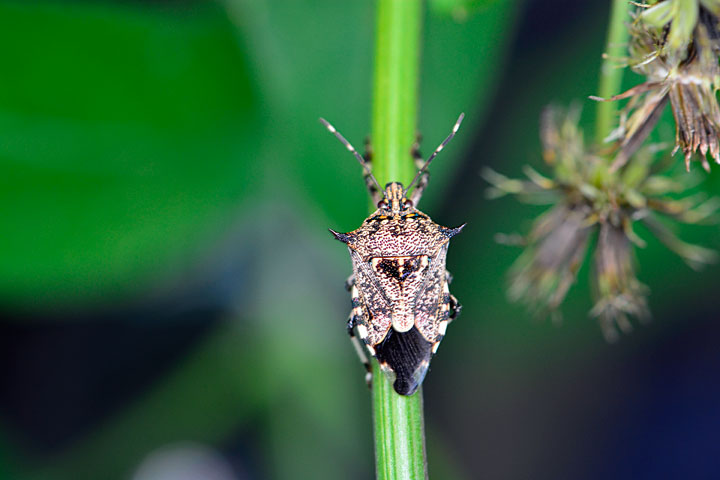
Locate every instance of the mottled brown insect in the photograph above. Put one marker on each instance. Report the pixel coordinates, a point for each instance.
(401, 304)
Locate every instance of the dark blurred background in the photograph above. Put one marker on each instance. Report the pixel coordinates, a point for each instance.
(173, 306)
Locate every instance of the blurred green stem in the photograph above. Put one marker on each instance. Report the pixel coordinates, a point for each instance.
(611, 72)
(398, 420)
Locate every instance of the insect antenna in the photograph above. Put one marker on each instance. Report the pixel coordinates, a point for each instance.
(434, 154)
(347, 144)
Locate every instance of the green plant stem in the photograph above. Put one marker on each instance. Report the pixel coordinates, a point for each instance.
(399, 431)
(610, 72)
(395, 87)
(398, 420)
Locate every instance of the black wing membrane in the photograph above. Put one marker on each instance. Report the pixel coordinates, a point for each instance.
(408, 355)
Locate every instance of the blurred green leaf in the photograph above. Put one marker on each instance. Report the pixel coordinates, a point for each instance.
(127, 138)
(460, 9)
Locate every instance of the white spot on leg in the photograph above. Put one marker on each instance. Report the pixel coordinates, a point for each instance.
(435, 347)
(360, 352)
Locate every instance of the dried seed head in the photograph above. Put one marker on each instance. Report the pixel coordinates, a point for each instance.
(675, 45)
(590, 200)
(543, 274)
(618, 293)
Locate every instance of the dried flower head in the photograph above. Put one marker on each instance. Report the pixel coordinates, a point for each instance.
(589, 200)
(618, 292)
(675, 45)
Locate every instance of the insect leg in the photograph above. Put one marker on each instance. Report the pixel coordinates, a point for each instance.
(350, 282)
(419, 163)
(368, 155)
(369, 177)
(355, 315)
(455, 308)
(360, 351)
(432, 157)
(370, 182)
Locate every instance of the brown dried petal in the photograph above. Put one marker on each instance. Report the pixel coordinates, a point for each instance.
(697, 120)
(542, 276)
(618, 292)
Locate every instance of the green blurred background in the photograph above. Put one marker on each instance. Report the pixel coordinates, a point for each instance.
(173, 306)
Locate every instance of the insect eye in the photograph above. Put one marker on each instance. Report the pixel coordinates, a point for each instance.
(382, 204)
(407, 203)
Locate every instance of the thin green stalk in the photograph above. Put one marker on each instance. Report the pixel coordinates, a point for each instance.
(399, 431)
(610, 72)
(398, 420)
(395, 89)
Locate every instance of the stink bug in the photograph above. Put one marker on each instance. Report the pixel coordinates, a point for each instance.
(401, 304)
